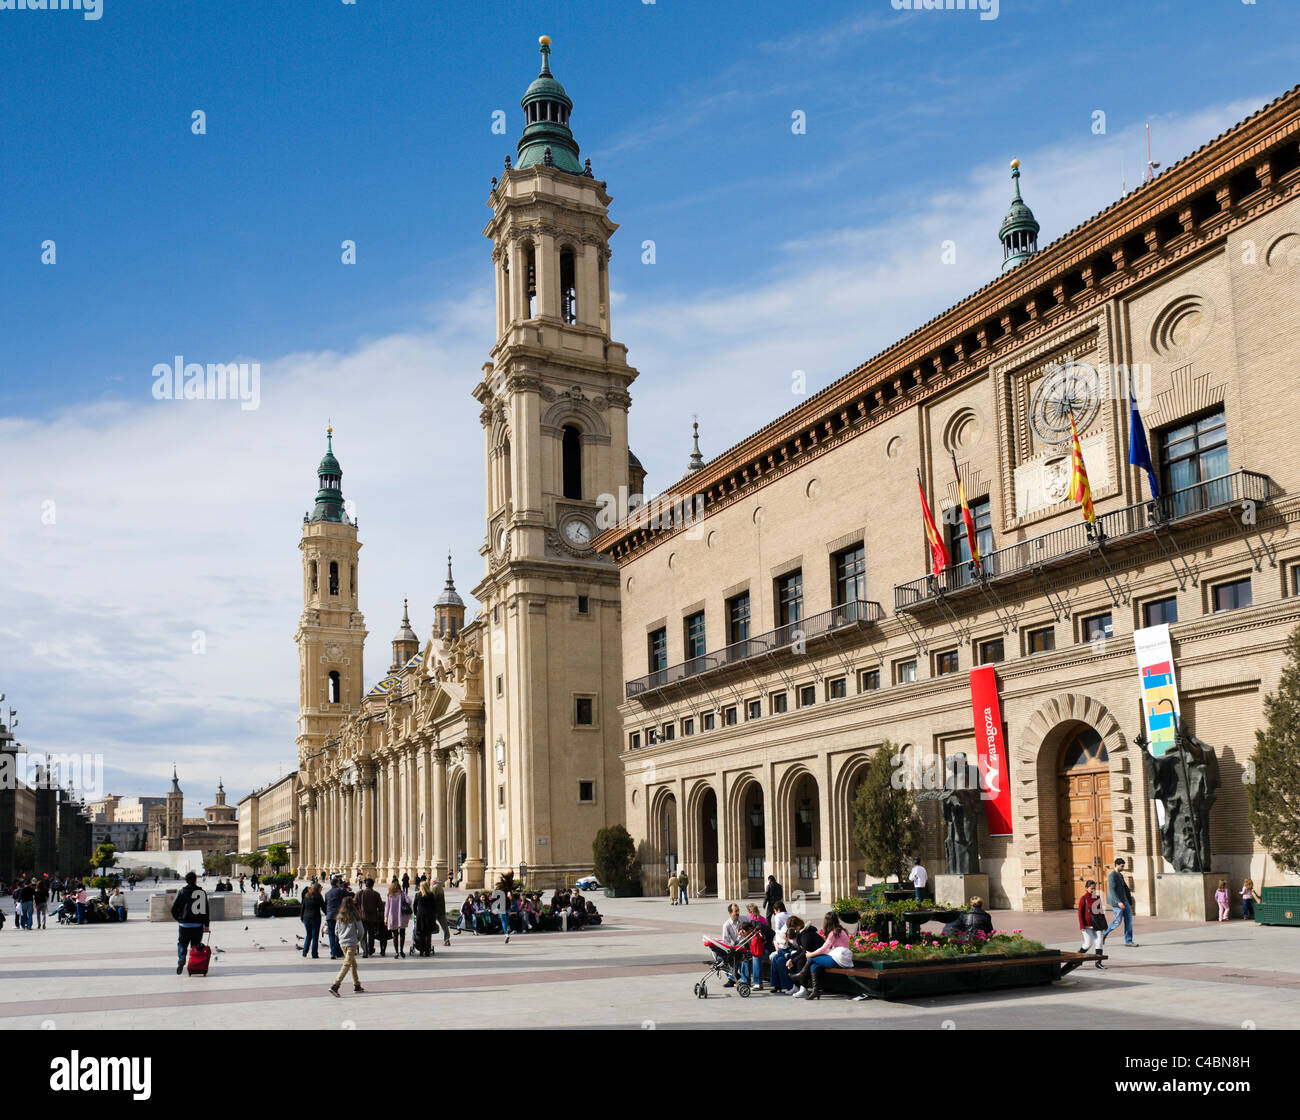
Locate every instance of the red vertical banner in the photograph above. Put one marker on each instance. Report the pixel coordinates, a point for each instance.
(991, 744)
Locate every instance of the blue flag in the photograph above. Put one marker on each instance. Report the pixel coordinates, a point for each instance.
(1139, 454)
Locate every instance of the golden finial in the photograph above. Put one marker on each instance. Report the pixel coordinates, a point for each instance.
(545, 41)
(1015, 163)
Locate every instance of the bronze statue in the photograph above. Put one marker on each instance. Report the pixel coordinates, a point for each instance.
(1185, 780)
(960, 802)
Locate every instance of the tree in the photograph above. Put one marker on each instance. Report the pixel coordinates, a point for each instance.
(25, 856)
(105, 856)
(253, 860)
(614, 853)
(277, 855)
(886, 823)
(1274, 795)
(216, 863)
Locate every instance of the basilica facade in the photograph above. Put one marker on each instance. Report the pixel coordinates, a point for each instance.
(494, 743)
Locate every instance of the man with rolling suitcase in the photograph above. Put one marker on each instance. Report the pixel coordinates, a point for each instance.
(192, 914)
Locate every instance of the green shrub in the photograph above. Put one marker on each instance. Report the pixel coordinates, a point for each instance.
(614, 853)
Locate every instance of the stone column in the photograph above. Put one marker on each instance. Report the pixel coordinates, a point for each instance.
(588, 268)
(474, 814)
(425, 805)
(548, 276)
(440, 853)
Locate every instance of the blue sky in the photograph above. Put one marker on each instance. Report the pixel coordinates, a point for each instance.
(372, 121)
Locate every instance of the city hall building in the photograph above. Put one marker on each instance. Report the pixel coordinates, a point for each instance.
(781, 619)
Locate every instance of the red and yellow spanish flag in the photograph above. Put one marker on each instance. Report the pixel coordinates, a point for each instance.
(972, 539)
(938, 553)
(1080, 491)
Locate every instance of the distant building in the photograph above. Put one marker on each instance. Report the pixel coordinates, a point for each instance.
(269, 816)
(169, 830)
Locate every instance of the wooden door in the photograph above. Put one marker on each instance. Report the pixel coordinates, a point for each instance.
(1087, 847)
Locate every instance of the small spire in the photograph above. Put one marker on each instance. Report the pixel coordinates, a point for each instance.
(545, 44)
(449, 596)
(329, 438)
(697, 459)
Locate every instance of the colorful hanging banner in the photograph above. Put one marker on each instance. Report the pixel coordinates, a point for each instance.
(1155, 662)
(991, 747)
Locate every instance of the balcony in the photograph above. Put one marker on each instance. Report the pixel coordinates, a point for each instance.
(853, 615)
(1206, 501)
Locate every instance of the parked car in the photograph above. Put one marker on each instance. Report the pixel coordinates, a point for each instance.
(588, 883)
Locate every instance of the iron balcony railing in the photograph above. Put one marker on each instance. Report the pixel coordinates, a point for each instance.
(1130, 523)
(855, 613)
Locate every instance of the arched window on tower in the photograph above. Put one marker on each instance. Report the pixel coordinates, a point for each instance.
(336, 687)
(568, 287)
(334, 577)
(313, 577)
(530, 281)
(572, 462)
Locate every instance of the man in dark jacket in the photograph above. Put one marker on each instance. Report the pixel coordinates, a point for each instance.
(192, 914)
(1120, 899)
(771, 897)
(333, 900)
(440, 912)
(371, 906)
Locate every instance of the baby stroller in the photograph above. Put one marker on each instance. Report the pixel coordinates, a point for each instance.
(67, 912)
(727, 959)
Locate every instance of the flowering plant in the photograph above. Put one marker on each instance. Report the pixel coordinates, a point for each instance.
(870, 946)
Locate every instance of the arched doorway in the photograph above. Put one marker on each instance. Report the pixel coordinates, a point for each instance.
(459, 832)
(753, 828)
(1087, 846)
(801, 837)
(709, 841)
(664, 842)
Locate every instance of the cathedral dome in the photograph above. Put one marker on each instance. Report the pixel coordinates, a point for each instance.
(546, 138)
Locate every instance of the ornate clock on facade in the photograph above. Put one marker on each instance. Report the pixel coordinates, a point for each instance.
(1069, 389)
(502, 542)
(577, 533)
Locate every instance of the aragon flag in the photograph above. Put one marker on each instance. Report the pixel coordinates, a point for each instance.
(972, 540)
(938, 553)
(1080, 491)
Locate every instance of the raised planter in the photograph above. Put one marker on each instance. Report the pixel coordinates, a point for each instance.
(633, 891)
(978, 972)
(278, 910)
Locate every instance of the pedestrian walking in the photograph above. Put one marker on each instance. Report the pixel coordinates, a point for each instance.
(439, 912)
(1224, 899)
(919, 877)
(1120, 899)
(683, 895)
(349, 931)
(370, 905)
(1248, 900)
(1092, 919)
(333, 900)
(674, 889)
(41, 901)
(192, 914)
(397, 913)
(771, 896)
(313, 913)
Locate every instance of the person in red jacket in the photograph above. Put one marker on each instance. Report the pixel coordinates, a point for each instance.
(1092, 919)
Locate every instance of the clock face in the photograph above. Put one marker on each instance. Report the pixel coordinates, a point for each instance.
(502, 540)
(1070, 389)
(577, 532)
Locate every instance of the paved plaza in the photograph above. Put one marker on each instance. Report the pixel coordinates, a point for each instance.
(634, 972)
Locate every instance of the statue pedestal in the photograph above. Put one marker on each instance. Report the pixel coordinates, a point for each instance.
(1188, 896)
(958, 889)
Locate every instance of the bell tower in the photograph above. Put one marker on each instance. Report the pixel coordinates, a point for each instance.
(331, 631)
(554, 412)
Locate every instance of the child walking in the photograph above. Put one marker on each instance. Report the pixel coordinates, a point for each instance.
(1222, 897)
(349, 931)
(1248, 900)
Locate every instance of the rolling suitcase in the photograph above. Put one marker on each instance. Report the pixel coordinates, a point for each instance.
(199, 959)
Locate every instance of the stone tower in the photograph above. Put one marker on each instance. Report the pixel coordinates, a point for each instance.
(449, 610)
(174, 821)
(554, 418)
(331, 633)
(405, 644)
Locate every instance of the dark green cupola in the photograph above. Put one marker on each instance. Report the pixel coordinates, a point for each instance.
(547, 139)
(1019, 229)
(329, 498)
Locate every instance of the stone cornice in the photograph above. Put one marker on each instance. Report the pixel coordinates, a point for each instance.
(1149, 232)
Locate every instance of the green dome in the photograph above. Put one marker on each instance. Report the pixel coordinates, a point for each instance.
(1019, 229)
(546, 138)
(329, 498)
